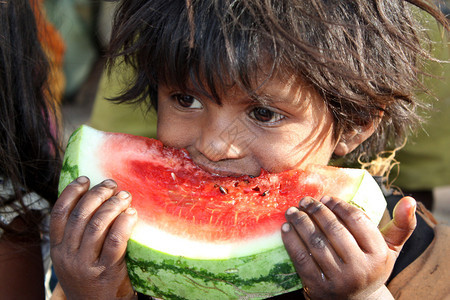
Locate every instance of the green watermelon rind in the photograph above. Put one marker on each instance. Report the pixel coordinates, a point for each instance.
(164, 275)
(234, 278)
(70, 168)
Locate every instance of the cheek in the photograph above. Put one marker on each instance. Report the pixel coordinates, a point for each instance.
(295, 151)
(174, 131)
(166, 132)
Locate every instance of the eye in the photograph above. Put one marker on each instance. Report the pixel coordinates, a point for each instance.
(265, 115)
(187, 101)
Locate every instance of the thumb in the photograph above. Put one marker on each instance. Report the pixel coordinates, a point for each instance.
(402, 225)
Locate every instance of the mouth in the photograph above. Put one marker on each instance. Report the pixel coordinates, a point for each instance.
(224, 168)
(216, 170)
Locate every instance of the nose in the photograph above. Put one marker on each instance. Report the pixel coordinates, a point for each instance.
(222, 140)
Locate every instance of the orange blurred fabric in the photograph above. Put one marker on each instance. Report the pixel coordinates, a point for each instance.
(54, 46)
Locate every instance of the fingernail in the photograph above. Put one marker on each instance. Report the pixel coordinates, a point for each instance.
(325, 199)
(123, 195)
(291, 210)
(109, 183)
(413, 210)
(82, 179)
(286, 227)
(305, 202)
(130, 211)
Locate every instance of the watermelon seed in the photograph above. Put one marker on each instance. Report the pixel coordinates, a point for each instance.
(174, 177)
(265, 193)
(223, 190)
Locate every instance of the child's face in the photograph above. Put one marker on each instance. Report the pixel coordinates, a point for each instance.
(291, 129)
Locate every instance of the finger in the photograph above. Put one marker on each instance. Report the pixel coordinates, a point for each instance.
(64, 206)
(100, 223)
(357, 222)
(400, 228)
(314, 239)
(115, 245)
(304, 264)
(341, 240)
(83, 211)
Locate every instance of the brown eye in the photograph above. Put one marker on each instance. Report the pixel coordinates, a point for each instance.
(265, 115)
(187, 101)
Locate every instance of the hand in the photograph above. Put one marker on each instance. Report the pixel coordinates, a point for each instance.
(339, 253)
(89, 231)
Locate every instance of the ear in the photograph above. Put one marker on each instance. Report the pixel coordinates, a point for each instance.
(348, 141)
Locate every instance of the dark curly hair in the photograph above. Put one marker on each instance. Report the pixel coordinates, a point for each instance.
(362, 56)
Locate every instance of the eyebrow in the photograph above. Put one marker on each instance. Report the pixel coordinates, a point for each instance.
(264, 99)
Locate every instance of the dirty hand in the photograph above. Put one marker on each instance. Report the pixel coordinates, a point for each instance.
(89, 231)
(339, 253)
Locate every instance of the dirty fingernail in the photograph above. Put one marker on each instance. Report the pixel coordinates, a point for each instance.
(130, 211)
(305, 202)
(123, 195)
(325, 199)
(286, 227)
(110, 183)
(82, 179)
(291, 210)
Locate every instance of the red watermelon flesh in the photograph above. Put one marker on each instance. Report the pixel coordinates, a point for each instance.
(185, 200)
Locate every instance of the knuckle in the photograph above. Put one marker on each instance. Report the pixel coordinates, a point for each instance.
(115, 240)
(317, 241)
(114, 201)
(301, 257)
(77, 215)
(338, 206)
(359, 217)
(334, 226)
(314, 208)
(95, 225)
(299, 218)
(58, 212)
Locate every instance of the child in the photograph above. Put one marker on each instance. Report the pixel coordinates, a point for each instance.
(300, 81)
(29, 151)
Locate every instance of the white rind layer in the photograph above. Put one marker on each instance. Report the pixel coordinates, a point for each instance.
(90, 165)
(367, 192)
(179, 246)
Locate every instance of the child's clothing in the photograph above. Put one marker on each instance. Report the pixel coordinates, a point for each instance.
(424, 260)
(33, 202)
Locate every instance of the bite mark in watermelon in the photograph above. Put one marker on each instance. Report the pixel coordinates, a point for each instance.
(201, 235)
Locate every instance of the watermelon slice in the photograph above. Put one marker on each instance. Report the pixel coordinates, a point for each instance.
(203, 236)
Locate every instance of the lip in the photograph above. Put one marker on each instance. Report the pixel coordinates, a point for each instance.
(225, 168)
(214, 170)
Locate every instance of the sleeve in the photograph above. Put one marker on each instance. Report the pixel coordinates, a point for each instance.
(428, 275)
(10, 211)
